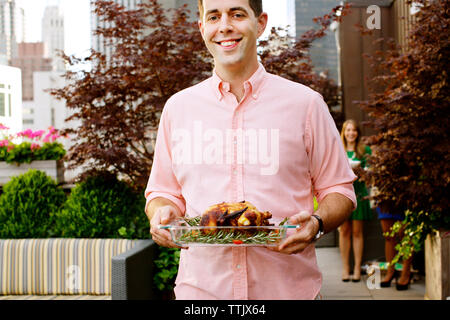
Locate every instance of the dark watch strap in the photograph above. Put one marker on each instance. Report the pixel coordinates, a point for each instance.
(320, 232)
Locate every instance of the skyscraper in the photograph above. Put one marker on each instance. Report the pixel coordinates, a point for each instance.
(31, 57)
(53, 35)
(324, 52)
(12, 29)
(191, 6)
(99, 44)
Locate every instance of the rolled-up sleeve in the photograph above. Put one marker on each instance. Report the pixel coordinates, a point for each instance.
(329, 167)
(162, 181)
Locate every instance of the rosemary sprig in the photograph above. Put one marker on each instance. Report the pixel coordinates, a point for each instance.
(229, 236)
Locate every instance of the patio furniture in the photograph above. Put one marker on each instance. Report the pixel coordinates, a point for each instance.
(63, 268)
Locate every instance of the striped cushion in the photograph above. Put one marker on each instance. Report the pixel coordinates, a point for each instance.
(55, 297)
(58, 266)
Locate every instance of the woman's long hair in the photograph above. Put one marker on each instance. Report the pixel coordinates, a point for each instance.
(360, 149)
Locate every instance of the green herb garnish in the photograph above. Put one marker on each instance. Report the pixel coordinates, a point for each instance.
(231, 235)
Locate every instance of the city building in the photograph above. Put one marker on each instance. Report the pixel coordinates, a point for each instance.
(191, 6)
(99, 44)
(45, 110)
(11, 98)
(32, 56)
(395, 18)
(324, 53)
(12, 29)
(53, 35)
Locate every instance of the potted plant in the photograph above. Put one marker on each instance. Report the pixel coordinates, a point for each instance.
(27, 150)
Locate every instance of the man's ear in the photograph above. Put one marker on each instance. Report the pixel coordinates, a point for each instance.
(262, 23)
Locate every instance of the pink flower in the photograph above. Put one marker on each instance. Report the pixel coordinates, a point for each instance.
(2, 127)
(4, 143)
(46, 138)
(34, 146)
(27, 133)
(10, 147)
(37, 134)
(51, 129)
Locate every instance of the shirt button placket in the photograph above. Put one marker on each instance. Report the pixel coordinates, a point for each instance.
(240, 285)
(234, 176)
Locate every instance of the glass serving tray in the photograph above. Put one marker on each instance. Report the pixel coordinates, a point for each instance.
(187, 235)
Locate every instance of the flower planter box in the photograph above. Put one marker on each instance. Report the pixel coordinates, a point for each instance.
(437, 266)
(53, 168)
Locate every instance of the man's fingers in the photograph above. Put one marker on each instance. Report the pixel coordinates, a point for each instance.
(163, 241)
(300, 217)
(155, 231)
(167, 214)
(299, 236)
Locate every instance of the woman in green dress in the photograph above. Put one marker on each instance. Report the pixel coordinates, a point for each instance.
(351, 231)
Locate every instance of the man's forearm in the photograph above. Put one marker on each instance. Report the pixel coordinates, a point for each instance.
(157, 203)
(334, 209)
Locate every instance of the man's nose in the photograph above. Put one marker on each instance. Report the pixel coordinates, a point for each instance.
(225, 24)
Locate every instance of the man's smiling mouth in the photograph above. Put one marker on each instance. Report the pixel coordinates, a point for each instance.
(228, 43)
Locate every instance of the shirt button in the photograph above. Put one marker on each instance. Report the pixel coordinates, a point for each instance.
(238, 266)
(255, 96)
(235, 172)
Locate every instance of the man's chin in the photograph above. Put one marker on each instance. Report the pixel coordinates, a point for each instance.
(229, 63)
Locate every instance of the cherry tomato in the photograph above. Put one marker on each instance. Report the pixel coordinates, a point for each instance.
(238, 242)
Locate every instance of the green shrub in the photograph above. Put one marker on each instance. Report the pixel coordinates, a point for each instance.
(103, 207)
(25, 153)
(28, 205)
(166, 268)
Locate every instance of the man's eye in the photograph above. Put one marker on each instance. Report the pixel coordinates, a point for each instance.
(212, 18)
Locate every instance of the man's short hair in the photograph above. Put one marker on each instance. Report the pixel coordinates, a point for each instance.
(256, 6)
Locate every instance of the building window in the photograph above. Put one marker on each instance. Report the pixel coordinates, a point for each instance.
(28, 121)
(52, 110)
(2, 104)
(5, 105)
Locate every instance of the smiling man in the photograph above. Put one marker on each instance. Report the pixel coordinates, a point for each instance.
(212, 146)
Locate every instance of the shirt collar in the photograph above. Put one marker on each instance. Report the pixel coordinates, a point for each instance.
(254, 83)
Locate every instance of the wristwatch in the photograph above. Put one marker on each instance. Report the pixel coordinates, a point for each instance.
(320, 232)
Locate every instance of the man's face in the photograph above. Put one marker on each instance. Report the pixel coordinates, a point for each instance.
(230, 30)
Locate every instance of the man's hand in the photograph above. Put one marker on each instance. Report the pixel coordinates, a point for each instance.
(334, 209)
(163, 215)
(303, 236)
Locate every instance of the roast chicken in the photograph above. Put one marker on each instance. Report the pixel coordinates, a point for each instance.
(234, 214)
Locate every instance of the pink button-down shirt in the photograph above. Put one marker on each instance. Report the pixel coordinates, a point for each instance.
(276, 148)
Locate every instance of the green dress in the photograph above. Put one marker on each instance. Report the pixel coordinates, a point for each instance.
(363, 211)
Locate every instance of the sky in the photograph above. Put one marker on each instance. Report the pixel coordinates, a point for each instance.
(77, 20)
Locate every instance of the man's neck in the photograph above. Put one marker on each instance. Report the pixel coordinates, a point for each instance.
(236, 76)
